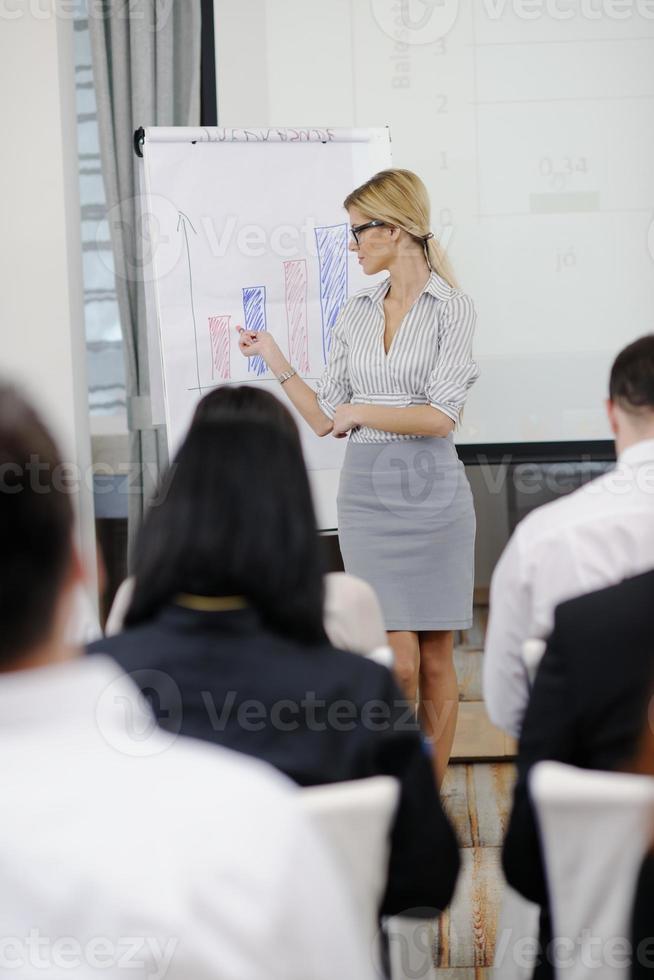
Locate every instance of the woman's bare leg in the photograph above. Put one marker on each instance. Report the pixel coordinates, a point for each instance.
(439, 694)
(406, 649)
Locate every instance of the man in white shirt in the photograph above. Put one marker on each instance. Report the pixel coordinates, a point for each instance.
(128, 851)
(594, 537)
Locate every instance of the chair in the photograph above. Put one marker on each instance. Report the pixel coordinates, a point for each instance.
(119, 607)
(353, 617)
(595, 829)
(518, 922)
(532, 654)
(382, 655)
(355, 818)
(83, 625)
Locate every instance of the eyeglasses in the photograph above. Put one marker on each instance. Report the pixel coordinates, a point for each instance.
(357, 229)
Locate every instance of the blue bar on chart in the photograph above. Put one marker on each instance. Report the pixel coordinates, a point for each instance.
(254, 311)
(331, 242)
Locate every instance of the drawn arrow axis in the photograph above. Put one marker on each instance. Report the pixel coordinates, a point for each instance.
(184, 222)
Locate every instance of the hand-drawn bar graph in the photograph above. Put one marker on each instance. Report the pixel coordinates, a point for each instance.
(331, 242)
(219, 337)
(254, 311)
(295, 291)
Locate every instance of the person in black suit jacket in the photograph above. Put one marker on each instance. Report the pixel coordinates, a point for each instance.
(225, 635)
(587, 708)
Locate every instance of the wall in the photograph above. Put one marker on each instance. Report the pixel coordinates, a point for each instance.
(529, 122)
(41, 315)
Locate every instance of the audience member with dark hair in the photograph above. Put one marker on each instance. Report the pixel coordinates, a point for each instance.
(352, 616)
(235, 517)
(587, 702)
(39, 562)
(228, 606)
(243, 402)
(120, 841)
(591, 538)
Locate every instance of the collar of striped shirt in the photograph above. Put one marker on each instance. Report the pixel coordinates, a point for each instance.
(434, 285)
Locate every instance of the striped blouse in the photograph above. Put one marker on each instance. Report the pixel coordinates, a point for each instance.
(429, 361)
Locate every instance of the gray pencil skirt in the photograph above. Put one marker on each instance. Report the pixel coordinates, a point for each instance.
(406, 525)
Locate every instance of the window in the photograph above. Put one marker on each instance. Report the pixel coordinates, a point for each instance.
(104, 346)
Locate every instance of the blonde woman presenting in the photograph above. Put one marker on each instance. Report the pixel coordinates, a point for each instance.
(400, 366)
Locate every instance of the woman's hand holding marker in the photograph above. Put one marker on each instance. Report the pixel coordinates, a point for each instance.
(252, 342)
(302, 395)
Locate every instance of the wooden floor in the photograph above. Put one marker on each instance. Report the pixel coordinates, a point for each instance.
(477, 795)
(476, 737)
(461, 945)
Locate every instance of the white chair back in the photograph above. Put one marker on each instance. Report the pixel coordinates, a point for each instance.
(382, 655)
(352, 616)
(119, 607)
(518, 921)
(532, 654)
(356, 820)
(595, 829)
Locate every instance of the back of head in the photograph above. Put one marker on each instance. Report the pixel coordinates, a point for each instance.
(235, 517)
(238, 402)
(36, 522)
(400, 198)
(631, 385)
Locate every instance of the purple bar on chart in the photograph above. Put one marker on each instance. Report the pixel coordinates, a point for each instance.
(219, 337)
(254, 311)
(295, 291)
(331, 242)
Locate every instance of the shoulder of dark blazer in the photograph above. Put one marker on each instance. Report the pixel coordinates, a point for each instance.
(627, 605)
(375, 678)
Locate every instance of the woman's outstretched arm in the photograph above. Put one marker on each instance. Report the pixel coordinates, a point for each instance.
(299, 392)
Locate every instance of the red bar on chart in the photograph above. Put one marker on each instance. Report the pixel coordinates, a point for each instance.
(219, 336)
(295, 283)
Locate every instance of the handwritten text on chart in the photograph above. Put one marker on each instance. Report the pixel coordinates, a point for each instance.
(269, 136)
